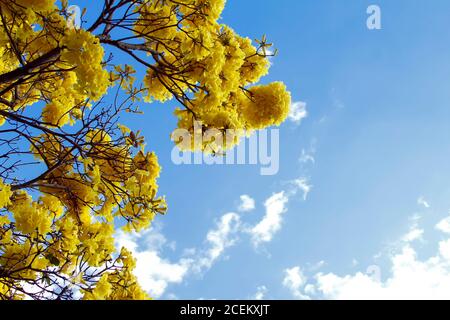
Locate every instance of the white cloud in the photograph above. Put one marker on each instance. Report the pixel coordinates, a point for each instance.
(332, 286)
(247, 204)
(307, 156)
(309, 290)
(275, 208)
(302, 184)
(421, 201)
(413, 235)
(294, 280)
(218, 239)
(154, 272)
(261, 293)
(298, 112)
(408, 277)
(444, 225)
(444, 250)
(415, 232)
(317, 266)
(272, 220)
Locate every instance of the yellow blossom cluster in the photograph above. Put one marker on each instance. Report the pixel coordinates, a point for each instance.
(119, 285)
(71, 222)
(70, 60)
(77, 220)
(210, 67)
(84, 52)
(38, 5)
(5, 194)
(267, 105)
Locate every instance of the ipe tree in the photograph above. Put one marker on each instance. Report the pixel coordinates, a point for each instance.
(69, 171)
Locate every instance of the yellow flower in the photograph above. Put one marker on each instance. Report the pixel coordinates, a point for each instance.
(5, 194)
(4, 220)
(269, 105)
(84, 52)
(101, 290)
(31, 217)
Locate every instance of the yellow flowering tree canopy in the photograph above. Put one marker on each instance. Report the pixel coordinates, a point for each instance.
(70, 174)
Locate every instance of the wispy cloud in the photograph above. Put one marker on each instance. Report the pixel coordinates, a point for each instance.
(155, 273)
(415, 232)
(272, 220)
(298, 112)
(308, 154)
(413, 235)
(223, 236)
(306, 157)
(275, 208)
(423, 202)
(302, 185)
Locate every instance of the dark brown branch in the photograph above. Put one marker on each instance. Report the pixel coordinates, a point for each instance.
(50, 57)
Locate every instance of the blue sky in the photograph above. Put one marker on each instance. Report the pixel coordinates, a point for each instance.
(377, 129)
